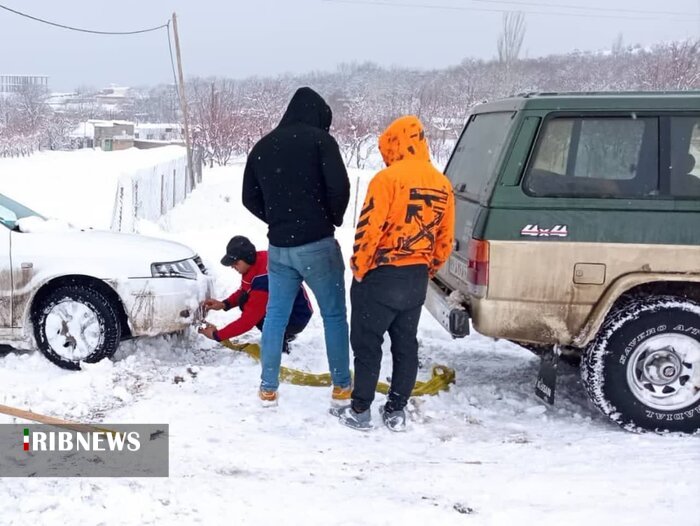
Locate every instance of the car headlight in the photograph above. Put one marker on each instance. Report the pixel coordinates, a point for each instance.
(174, 269)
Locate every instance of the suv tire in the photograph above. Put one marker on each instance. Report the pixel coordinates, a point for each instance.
(643, 368)
(74, 324)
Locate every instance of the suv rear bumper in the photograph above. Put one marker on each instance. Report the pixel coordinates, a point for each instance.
(454, 319)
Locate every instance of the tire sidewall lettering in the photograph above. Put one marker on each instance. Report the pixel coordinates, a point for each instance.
(607, 360)
(683, 415)
(639, 339)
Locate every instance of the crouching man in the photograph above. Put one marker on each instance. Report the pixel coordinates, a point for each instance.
(252, 296)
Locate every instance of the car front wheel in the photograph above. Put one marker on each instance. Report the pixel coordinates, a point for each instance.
(74, 324)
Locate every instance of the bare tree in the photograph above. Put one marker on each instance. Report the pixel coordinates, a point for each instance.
(29, 109)
(357, 129)
(217, 121)
(265, 101)
(510, 41)
(618, 45)
(56, 131)
(158, 104)
(25, 114)
(670, 66)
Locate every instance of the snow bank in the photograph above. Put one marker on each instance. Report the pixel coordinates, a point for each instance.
(34, 224)
(82, 187)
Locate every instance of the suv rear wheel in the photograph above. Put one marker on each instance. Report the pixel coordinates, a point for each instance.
(74, 324)
(643, 368)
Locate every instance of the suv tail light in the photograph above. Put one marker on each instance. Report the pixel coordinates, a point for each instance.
(478, 267)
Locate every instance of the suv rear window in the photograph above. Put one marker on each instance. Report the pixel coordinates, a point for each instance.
(596, 157)
(474, 159)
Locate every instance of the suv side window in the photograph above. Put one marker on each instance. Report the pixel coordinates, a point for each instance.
(685, 156)
(601, 156)
(474, 159)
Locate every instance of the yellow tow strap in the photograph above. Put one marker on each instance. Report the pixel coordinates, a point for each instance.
(442, 376)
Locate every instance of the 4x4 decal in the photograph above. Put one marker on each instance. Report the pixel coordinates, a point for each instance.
(536, 231)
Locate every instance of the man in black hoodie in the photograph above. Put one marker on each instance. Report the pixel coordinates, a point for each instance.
(295, 181)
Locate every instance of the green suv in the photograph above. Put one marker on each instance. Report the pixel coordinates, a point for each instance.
(578, 233)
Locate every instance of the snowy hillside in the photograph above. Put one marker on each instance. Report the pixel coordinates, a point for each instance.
(486, 452)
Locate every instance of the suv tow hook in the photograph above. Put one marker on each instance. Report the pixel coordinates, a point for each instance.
(547, 377)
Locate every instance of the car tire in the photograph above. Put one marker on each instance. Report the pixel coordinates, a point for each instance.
(74, 324)
(643, 368)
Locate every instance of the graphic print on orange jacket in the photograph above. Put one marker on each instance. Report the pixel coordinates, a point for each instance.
(408, 214)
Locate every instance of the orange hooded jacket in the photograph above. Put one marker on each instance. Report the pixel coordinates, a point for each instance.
(408, 214)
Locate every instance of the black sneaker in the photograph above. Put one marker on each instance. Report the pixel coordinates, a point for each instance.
(348, 417)
(394, 420)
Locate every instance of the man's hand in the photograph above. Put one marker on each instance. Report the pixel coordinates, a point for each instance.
(213, 305)
(208, 330)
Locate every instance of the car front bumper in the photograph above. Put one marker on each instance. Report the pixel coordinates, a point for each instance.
(156, 306)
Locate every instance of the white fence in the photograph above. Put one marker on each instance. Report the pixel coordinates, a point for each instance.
(150, 192)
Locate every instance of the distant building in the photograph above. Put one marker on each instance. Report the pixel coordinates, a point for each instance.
(113, 135)
(17, 83)
(159, 131)
(69, 101)
(114, 95)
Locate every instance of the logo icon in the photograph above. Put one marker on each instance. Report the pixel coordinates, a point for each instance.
(536, 231)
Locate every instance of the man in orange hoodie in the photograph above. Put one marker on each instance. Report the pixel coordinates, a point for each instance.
(404, 236)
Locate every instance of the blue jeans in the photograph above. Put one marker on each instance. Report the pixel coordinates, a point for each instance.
(320, 265)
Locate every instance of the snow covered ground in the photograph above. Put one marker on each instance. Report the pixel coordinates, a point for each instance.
(486, 452)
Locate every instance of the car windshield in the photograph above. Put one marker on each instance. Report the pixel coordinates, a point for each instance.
(11, 212)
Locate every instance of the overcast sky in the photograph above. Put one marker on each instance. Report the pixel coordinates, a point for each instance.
(238, 38)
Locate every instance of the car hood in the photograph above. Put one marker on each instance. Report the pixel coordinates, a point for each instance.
(99, 253)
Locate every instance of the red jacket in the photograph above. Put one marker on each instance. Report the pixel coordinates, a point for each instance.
(252, 297)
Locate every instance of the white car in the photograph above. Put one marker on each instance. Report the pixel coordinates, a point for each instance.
(76, 294)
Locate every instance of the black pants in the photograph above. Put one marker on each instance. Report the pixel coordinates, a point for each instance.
(290, 333)
(389, 299)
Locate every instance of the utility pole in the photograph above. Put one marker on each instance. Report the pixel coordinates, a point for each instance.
(183, 103)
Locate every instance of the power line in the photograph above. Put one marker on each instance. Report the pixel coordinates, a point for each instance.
(165, 26)
(63, 26)
(493, 10)
(586, 8)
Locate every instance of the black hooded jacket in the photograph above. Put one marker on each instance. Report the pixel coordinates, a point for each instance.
(295, 179)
